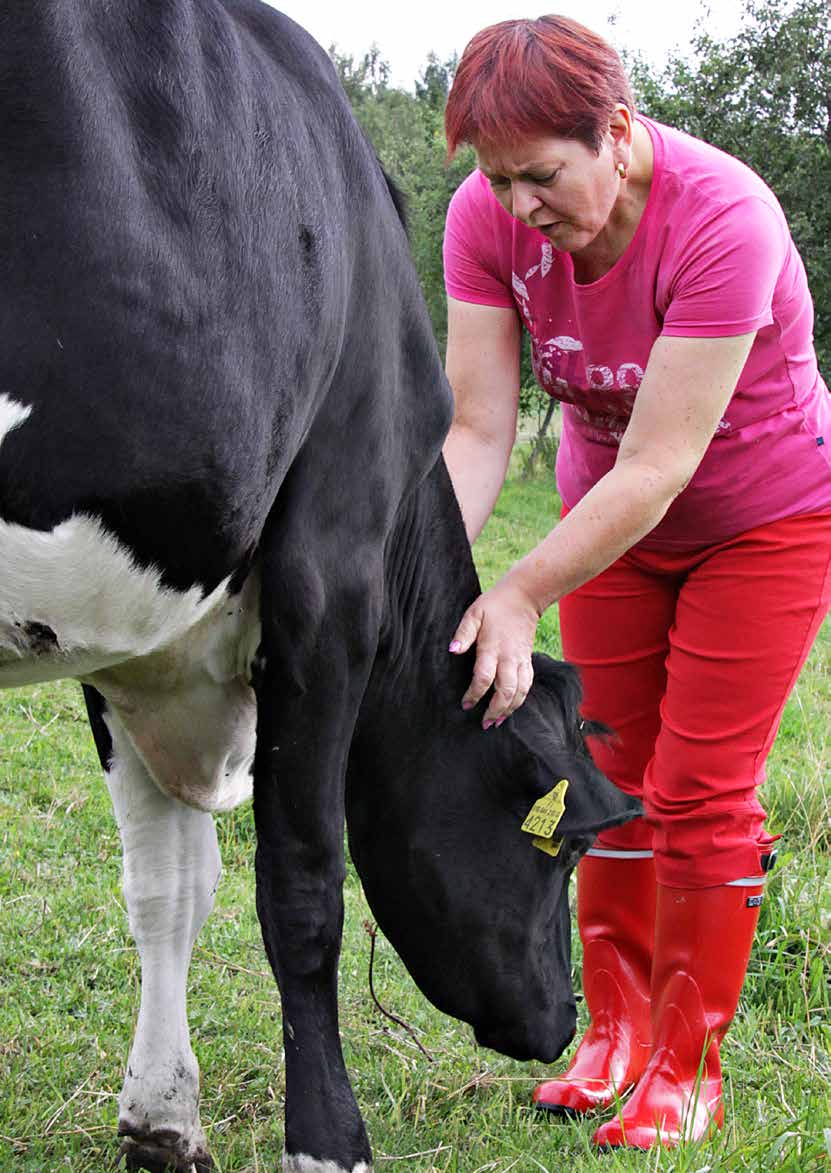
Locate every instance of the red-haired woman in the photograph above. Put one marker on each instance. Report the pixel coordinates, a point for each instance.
(668, 310)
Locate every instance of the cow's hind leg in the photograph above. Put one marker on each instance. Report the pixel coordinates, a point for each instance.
(171, 870)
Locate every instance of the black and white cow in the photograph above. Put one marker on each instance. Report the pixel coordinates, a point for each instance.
(223, 509)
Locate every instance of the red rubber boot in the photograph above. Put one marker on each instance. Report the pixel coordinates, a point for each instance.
(615, 915)
(702, 945)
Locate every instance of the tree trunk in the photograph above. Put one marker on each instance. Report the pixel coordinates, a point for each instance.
(536, 447)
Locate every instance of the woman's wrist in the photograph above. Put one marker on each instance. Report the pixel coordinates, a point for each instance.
(529, 583)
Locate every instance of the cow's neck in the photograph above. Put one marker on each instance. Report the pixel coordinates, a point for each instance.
(430, 581)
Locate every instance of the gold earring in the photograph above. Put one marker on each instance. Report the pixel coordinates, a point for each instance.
(621, 170)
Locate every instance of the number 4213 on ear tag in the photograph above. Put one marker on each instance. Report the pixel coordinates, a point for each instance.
(544, 817)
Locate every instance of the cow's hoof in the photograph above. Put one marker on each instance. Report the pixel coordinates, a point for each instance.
(159, 1153)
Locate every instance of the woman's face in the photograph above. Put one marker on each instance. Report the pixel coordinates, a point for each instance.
(558, 186)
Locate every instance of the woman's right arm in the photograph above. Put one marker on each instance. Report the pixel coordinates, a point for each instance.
(482, 365)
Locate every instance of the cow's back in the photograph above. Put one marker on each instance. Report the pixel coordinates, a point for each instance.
(199, 247)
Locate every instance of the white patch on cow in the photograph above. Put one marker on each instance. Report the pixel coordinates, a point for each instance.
(12, 415)
(171, 871)
(300, 1163)
(174, 665)
(189, 708)
(79, 581)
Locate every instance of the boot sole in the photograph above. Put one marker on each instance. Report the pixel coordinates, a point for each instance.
(581, 1113)
(561, 1111)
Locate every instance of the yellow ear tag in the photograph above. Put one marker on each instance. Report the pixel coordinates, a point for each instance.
(549, 846)
(544, 817)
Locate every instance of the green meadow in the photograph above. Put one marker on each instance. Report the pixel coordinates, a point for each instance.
(69, 974)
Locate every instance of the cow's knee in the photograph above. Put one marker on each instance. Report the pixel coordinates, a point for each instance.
(170, 890)
(300, 908)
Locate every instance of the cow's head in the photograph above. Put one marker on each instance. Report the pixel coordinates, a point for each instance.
(478, 914)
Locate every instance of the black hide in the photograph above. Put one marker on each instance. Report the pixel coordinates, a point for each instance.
(435, 804)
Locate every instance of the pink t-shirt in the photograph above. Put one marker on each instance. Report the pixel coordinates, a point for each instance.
(711, 257)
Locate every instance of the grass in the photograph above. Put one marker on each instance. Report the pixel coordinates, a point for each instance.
(69, 976)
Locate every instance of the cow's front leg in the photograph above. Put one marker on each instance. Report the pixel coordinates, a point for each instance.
(171, 871)
(307, 705)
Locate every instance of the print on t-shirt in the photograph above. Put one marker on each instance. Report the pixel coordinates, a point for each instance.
(601, 396)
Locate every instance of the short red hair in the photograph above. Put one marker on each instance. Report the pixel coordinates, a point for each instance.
(523, 78)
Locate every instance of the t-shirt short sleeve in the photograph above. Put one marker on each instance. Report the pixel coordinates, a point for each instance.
(727, 270)
(474, 245)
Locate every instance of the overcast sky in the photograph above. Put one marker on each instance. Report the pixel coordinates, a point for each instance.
(406, 32)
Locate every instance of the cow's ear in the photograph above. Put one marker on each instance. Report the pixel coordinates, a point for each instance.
(550, 726)
(592, 802)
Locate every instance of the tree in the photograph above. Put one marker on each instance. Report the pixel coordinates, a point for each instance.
(407, 131)
(434, 84)
(765, 97)
(368, 76)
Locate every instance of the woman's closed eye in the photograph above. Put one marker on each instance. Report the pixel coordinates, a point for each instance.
(542, 180)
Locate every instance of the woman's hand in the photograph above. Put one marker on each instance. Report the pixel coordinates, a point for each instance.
(502, 623)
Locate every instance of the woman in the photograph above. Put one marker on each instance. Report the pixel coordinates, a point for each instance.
(669, 311)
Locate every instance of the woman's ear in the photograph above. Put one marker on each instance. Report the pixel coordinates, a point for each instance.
(621, 126)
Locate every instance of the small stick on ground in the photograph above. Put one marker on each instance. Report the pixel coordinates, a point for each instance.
(372, 931)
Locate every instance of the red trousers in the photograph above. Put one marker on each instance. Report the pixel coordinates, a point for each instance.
(690, 658)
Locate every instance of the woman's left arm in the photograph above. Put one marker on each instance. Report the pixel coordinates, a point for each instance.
(686, 387)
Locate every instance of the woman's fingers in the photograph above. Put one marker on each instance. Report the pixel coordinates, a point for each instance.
(501, 703)
(484, 673)
(502, 627)
(524, 681)
(513, 683)
(467, 632)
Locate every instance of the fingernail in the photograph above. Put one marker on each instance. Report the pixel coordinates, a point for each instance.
(455, 646)
(466, 705)
(487, 724)
(501, 720)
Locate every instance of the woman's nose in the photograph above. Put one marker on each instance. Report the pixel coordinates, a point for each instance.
(524, 201)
